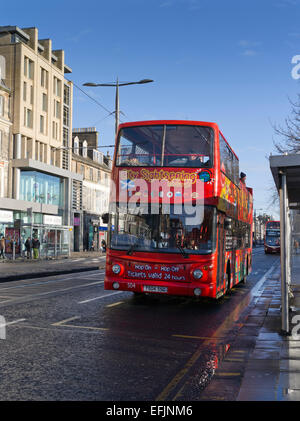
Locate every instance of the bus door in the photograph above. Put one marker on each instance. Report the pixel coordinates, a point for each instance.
(221, 253)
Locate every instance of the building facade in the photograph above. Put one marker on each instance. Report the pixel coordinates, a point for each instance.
(39, 194)
(95, 169)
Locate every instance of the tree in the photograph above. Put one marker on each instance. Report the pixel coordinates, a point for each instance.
(289, 134)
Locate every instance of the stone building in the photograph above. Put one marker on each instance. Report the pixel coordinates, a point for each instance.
(95, 168)
(39, 195)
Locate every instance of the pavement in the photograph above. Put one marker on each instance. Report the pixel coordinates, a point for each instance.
(22, 268)
(261, 364)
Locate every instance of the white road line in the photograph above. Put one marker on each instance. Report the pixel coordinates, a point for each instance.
(12, 323)
(50, 292)
(75, 278)
(99, 298)
(257, 286)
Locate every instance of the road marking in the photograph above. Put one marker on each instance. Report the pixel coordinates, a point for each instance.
(87, 327)
(64, 321)
(223, 374)
(198, 337)
(165, 394)
(255, 289)
(50, 292)
(115, 304)
(99, 298)
(12, 323)
(47, 282)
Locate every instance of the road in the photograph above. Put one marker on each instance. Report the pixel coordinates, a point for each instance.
(68, 339)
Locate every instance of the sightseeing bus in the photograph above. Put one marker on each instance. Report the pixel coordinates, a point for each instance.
(180, 220)
(272, 237)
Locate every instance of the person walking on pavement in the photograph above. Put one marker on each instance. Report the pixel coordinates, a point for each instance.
(35, 247)
(2, 247)
(103, 246)
(28, 247)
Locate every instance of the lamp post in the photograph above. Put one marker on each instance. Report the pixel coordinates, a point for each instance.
(116, 85)
(255, 225)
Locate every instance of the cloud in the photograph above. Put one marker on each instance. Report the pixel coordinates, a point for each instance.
(80, 35)
(249, 53)
(287, 3)
(249, 47)
(191, 4)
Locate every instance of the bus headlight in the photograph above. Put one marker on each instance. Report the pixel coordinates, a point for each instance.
(197, 274)
(116, 269)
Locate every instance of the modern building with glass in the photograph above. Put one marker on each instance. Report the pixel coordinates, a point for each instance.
(39, 194)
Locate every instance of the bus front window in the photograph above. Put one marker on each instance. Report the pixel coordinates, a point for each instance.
(166, 145)
(163, 233)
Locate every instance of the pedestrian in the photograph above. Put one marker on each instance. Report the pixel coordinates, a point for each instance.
(243, 178)
(93, 246)
(35, 247)
(296, 245)
(103, 246)
(2, 247)
(28, 247)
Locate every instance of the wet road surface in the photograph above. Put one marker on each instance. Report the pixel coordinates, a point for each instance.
(68, 339)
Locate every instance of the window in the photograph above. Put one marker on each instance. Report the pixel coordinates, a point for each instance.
(42, 123)
(45, 102)
(2, 68)
(42, 188)
(55, 130)
(66, 116)
(27, 117)
(44, 78)
(31, 94)
(166, 145)
(56, 86)
(99, 175)
(66, 95)
(1, 105)
(91, 174)
(84, 149)
(28, 68)
(229, 163)
(76, 145)
(24, 91)
(56, 109)
(1, 137)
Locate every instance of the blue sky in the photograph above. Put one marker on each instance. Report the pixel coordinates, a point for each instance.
(212, 60)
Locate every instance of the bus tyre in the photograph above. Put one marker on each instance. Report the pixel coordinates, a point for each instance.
(138, 294)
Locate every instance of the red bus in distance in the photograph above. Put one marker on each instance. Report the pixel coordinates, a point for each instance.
(180, 220)
(272, 237)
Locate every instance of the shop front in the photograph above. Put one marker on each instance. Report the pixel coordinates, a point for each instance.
(18, 226)
(10, 230)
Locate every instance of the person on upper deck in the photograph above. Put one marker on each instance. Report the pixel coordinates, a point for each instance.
(243, 178)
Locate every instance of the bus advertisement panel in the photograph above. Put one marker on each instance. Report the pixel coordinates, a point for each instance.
(180, 220)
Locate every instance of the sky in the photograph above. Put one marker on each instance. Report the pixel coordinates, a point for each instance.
(228, 62)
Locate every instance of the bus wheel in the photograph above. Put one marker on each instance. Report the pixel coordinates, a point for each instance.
(138, 294)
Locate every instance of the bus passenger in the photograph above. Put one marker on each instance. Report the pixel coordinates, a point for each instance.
(243, 178)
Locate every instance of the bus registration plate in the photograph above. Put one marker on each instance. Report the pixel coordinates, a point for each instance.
(155, 288)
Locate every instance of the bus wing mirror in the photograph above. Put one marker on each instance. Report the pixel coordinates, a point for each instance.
(105, 218)
(228, 224)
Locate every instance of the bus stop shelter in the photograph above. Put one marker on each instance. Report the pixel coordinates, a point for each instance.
(286, 173)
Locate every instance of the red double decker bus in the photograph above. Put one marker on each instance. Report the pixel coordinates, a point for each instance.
(272, 237)
(180, 220)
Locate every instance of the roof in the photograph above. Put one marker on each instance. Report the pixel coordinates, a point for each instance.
(290, 165)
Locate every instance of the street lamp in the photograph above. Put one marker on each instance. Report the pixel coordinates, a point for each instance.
(117, 84)
(255, 225)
